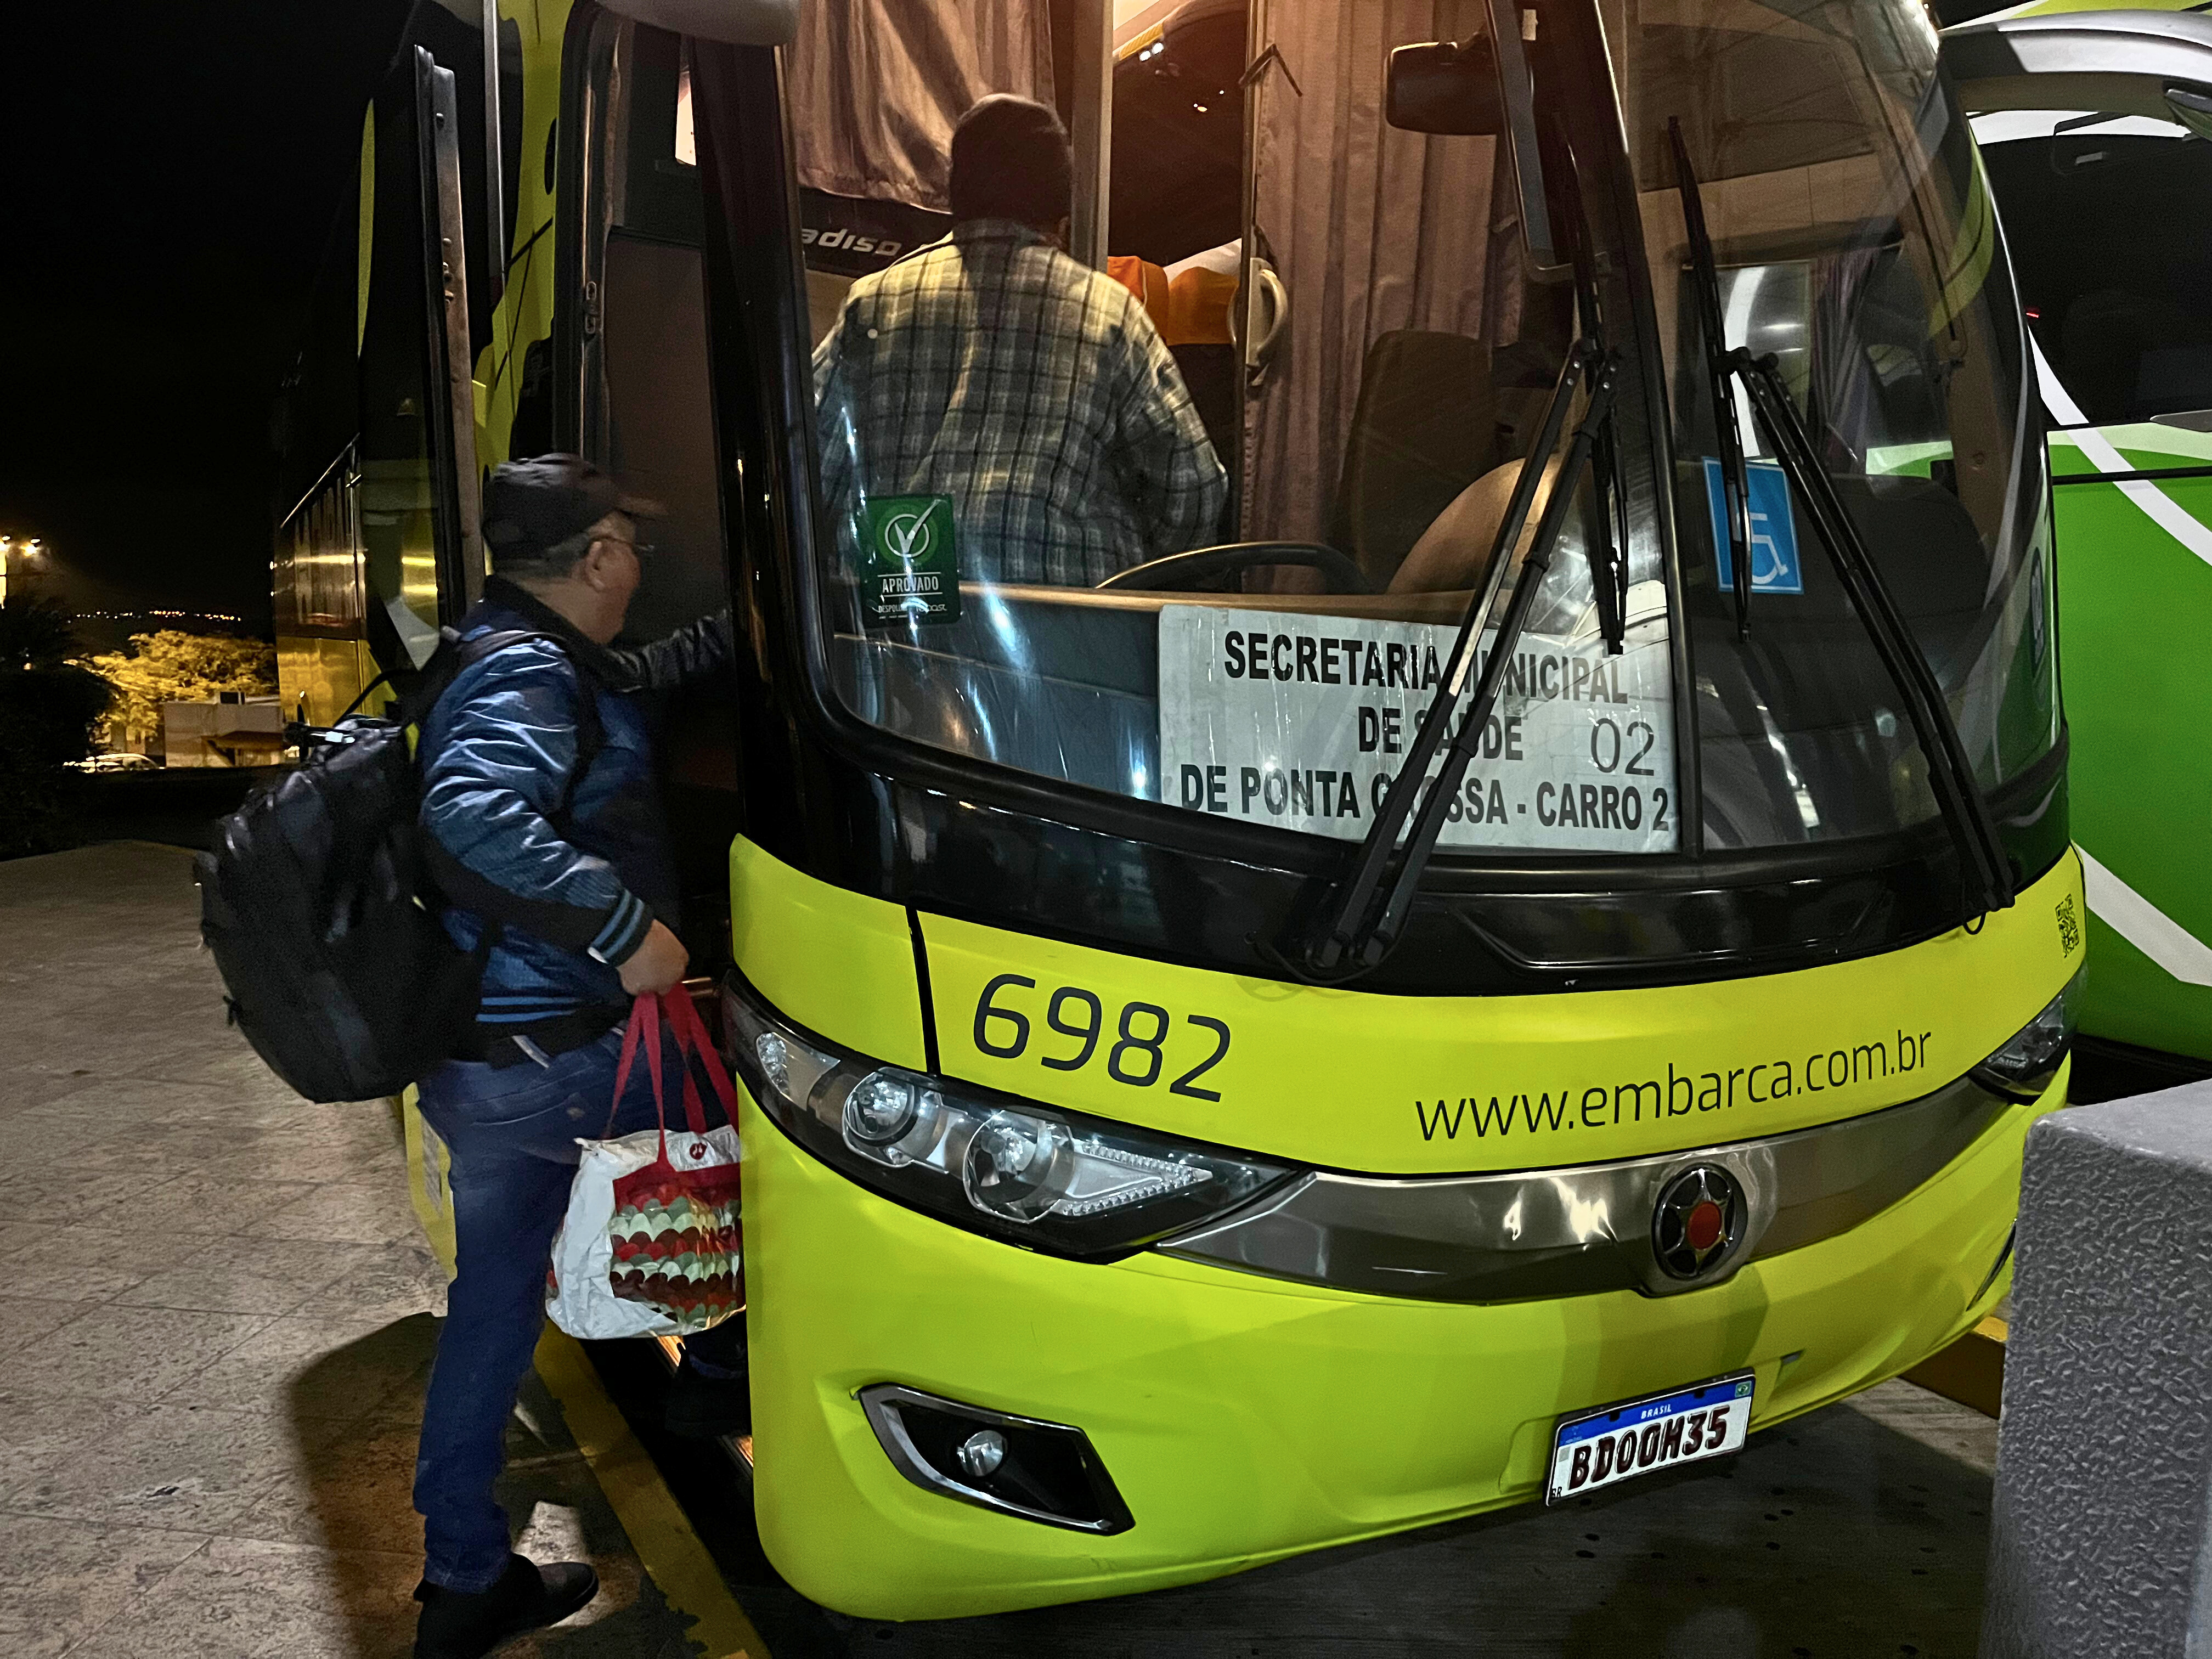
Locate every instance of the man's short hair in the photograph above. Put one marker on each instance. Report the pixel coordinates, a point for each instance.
(538, 513)
(1011, 160)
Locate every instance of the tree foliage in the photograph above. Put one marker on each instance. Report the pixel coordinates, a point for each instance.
(174, 667)
(35, 634)
(49, 706)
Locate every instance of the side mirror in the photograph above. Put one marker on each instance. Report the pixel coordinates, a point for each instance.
(1446, 86)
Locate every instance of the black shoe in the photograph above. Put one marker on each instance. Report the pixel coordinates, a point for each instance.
(457, 1625)
(703, 1407)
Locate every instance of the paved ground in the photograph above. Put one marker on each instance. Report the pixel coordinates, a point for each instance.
(1856, 1533)
(1859, 1533)
(218, 1320)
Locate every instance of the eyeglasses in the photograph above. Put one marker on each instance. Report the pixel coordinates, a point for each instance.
(639, 548)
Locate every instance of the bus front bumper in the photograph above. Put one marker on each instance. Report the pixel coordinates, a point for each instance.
(1245, 1419)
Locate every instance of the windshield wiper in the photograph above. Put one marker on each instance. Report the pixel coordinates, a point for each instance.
(1735, 470)
(1605, 535)
(1362, 919)
(1985, 870)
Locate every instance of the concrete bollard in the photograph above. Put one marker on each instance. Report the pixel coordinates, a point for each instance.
(2101, 1529)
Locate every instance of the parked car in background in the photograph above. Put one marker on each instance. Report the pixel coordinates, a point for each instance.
(116, 763)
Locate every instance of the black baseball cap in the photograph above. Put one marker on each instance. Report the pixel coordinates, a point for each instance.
(1011, 160)
(531, 506)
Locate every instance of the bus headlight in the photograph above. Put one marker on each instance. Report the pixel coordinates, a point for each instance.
(2023, 1068)
(1033, 1175)
(1017, 1166)
(881, 1110)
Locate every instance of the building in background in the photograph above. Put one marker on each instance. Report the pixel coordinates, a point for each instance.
(233, 729)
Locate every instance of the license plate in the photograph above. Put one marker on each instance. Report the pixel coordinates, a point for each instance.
(1617, 1442)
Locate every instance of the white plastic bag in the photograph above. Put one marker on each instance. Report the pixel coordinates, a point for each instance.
(651, 1243)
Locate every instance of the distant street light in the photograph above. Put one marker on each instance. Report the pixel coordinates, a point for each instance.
(30, 548)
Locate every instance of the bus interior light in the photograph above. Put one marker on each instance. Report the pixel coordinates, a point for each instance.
(1055, 1180)
(2023, 1067)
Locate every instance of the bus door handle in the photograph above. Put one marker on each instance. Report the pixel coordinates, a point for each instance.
(1270, 308)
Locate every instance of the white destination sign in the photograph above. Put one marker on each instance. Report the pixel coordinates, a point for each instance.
(1302, 720)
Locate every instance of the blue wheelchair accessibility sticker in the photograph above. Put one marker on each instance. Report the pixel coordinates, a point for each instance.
(1774, 567)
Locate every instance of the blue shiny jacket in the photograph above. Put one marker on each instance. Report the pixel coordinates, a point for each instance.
(575, 866)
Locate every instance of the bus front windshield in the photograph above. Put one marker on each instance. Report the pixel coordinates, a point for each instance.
(1313, 344)
(1854, 240)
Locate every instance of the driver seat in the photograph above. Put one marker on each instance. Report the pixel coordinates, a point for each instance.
(1453, 555)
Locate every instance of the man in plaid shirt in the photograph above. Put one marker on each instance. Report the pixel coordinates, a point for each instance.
(991, 368)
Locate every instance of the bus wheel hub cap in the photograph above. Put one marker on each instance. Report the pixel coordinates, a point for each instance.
(1699, 1216)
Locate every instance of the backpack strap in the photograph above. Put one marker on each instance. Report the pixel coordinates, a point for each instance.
(383, 677)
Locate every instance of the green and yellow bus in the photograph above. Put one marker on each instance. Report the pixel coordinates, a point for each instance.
(2096, 129)
(1529, 956)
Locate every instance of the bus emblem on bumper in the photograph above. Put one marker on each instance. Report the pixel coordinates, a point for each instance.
(1696, 1221)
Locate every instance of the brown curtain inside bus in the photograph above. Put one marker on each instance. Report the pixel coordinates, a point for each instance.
(1374, 233)
(877, 85)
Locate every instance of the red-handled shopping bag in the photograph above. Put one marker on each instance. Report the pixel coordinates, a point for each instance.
(651, 1243)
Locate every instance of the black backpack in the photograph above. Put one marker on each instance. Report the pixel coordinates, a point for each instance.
(321, 914)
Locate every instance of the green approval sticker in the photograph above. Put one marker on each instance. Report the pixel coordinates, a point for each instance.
(910, 560)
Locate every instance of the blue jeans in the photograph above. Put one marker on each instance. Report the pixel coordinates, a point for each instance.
(512, 1132)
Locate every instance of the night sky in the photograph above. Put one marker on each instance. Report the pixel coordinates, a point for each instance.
(168, 177)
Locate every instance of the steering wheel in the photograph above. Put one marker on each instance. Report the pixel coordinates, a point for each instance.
(1185, 570)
